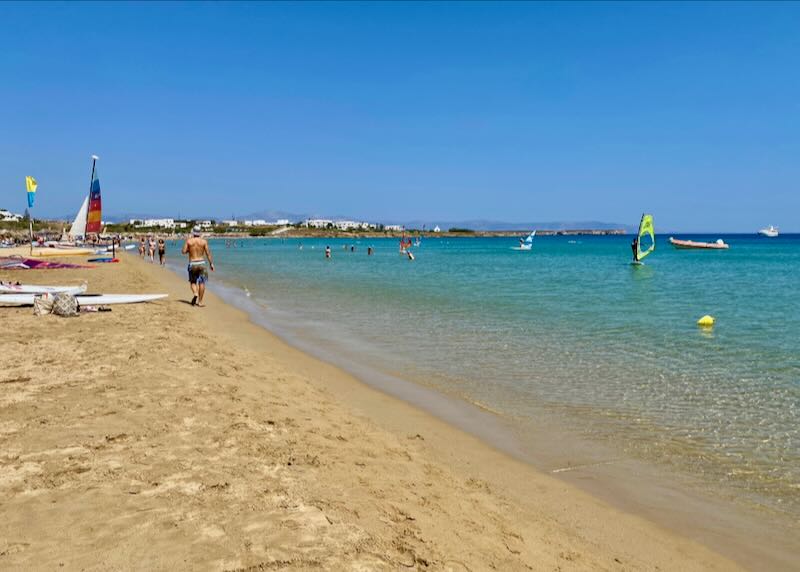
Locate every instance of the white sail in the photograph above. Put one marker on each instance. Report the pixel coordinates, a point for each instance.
(530, 237)
(79, 226)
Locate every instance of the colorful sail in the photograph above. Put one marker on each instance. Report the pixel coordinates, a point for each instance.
(647, 237)
(94, 216)
(31, 184)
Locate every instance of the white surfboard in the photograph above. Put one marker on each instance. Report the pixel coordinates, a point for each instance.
(38, 289)
(85, 299)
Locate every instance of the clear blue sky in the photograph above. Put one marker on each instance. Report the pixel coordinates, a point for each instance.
(426, 111)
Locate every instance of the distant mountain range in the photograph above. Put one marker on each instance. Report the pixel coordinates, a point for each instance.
(482, 224)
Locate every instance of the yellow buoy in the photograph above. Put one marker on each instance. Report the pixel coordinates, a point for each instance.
(706, 321)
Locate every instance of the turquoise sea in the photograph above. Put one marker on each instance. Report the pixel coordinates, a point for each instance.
(569, 330)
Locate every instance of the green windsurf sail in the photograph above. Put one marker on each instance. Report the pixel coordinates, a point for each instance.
(647, 237)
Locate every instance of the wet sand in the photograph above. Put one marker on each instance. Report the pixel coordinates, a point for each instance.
(162, 436)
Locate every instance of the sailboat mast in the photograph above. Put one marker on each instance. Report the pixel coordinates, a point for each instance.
(91, 180)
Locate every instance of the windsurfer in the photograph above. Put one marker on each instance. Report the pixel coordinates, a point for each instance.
(635, 249)
(196, 248)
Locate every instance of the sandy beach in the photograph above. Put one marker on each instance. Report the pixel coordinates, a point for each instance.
(161, 436)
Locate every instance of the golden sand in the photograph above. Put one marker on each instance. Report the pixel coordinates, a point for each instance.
(165, 437)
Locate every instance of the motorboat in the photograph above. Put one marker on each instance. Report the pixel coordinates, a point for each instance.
(770, 231)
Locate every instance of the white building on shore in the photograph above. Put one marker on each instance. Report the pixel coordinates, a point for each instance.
(317, 223)
(8, 216)
(437, 229)
(394, 227)
(353, 225)
(157, 222)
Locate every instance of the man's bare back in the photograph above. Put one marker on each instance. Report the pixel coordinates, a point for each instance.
(197, 249)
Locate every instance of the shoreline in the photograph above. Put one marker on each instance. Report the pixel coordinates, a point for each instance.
(162, 444)
(665, 498)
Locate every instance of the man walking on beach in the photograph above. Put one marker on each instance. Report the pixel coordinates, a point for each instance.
(196, 248)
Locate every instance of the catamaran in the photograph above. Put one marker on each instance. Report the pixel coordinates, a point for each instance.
(645, 242)
(525, 244)
(88, 220)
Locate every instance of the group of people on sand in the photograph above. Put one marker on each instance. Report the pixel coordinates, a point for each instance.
(196, 249)
(148, 247)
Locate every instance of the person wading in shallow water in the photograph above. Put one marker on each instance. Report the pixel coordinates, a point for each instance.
(196, 248)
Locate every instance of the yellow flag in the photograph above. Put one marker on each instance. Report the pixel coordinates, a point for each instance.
(30, 182)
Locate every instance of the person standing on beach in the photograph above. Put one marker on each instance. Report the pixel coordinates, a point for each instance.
(152, 249)
(141, 247)
(162, 252)
(196, 248)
